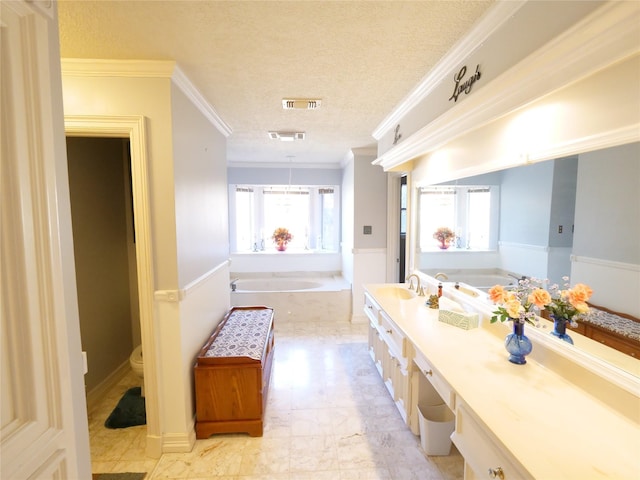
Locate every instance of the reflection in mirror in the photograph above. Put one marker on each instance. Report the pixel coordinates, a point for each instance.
(532, 221)
(576, 217)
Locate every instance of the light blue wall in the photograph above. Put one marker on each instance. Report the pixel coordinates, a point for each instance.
(608, 205)
(525, 204)
(200, 174)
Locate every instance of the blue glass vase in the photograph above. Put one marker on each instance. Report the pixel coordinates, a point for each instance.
(560, 328)
(518, 344)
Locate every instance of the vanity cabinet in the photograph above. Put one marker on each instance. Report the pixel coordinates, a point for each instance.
(485, 457)
(390, 351)
(428, 388)
(504, 413)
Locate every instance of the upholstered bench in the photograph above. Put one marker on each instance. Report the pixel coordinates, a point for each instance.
(232, 373)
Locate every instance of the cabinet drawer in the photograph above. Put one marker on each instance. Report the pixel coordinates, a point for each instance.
(371, 309)
(393, 336)
(441, 386)
(483, 454)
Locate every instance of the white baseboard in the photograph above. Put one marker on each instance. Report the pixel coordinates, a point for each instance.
(99, 391)
(179, 442)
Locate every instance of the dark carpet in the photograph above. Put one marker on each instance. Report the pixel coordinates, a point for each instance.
(129, 412)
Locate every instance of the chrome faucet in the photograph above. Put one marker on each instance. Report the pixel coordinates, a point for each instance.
(233, 284)
(410, 280)
(519, 279)
(441, 275)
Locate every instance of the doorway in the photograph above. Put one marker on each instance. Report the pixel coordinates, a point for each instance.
(105, 258)
(402, 240)
(132, 127)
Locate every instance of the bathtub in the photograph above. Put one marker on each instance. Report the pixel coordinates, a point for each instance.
(482, 279)
(296, 299)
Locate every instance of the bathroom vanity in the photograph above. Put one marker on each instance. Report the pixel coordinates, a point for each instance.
(549, 418)
(232, 373)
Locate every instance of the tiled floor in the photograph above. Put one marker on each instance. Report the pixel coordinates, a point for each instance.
(329, 417)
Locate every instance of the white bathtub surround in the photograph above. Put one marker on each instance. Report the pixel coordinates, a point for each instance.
(481, 278)
(296, 297)
(271, 261)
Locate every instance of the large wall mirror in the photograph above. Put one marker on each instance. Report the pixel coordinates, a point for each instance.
(577, 216)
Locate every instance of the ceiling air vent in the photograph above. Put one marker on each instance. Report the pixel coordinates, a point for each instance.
(301, 103)
(286, 136)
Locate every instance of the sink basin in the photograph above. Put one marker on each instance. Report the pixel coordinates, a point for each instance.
(395, 291)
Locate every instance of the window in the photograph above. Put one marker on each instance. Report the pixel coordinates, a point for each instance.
(470, 211)
(310, 213)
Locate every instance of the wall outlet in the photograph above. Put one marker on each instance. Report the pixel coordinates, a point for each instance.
(367, 229)
(559, 228)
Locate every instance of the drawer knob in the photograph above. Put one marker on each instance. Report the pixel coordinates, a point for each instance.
(389, 332)
(428, 373)
(496, 473)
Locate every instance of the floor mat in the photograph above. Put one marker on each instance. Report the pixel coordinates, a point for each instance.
(118, 476)
(129, 412)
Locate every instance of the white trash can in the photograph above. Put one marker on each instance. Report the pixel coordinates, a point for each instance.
(436, 426)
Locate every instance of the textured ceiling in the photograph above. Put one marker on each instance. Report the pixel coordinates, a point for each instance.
(360, 57)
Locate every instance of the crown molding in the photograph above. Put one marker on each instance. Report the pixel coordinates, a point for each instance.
(606, 37)
(84, 67)
(495, 17)
(189, 89)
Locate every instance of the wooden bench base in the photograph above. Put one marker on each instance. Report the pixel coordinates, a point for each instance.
(231, 392)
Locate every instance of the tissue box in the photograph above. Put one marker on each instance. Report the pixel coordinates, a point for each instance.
(463, 320)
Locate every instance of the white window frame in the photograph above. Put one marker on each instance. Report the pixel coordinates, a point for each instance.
(313, 241)
(460, 223)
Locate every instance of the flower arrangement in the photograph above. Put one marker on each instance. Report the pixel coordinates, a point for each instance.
(281, 237)
(444, 235)
(520, 304)
(569, 304)
(528, 299)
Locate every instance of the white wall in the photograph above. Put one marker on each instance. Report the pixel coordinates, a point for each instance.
(348, 217)
(187, 181)
(495, 48)
(280, 176)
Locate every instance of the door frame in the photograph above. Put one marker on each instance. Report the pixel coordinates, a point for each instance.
(133, 128)
(393, 225)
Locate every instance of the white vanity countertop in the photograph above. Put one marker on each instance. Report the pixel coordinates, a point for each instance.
(552, 427)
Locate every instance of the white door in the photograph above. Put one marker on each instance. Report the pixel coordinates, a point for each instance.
(44, 431)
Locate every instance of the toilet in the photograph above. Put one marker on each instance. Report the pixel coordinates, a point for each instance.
(135, 360)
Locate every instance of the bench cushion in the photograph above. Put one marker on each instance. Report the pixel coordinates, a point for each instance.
(243, 335)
